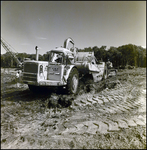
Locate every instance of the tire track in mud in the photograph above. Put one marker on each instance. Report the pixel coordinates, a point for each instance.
(114, 109)
(117, 110)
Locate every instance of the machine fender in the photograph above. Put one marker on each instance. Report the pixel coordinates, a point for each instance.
(68, 70)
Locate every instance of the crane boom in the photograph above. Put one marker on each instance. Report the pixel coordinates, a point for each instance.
(9, 48)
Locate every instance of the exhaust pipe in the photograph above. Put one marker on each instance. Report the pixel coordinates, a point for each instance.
(36, 53)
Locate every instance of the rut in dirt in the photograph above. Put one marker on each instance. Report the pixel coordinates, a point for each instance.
(59, 98)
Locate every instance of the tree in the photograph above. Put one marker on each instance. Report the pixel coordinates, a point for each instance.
(114, 56)
(46, 56)
(100, 53)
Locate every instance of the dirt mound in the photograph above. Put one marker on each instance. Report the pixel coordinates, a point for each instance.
(59, 101)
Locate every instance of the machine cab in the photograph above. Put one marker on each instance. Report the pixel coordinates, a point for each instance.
(56, 57)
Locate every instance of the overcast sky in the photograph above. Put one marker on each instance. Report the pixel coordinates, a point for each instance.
(26, 24)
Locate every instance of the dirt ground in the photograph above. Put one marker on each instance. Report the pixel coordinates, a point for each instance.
(110, 114)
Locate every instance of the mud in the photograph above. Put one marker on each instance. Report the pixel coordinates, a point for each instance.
(109, 114)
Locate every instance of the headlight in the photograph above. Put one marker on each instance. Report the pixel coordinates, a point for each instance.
(41, 69)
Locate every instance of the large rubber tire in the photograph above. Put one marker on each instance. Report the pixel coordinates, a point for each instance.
(73, 81)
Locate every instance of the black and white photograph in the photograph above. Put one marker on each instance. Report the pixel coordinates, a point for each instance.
(73, 74)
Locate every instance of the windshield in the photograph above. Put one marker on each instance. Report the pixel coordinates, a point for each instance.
(56, 57)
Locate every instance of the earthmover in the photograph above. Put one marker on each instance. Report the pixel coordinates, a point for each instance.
(63, 69)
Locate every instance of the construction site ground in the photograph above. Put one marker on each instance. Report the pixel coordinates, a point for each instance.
(110, 114)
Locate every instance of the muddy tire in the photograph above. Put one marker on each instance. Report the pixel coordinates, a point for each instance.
(73, 81)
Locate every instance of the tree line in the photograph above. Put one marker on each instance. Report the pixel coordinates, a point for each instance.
(119, 56)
